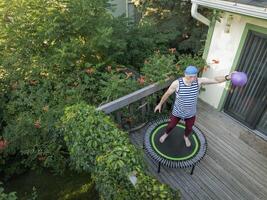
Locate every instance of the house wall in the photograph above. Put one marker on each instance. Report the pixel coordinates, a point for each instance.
(224, 43)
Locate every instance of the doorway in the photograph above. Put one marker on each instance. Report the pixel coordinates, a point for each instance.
(249, 103)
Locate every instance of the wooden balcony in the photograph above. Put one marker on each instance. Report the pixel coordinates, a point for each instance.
(231, 169)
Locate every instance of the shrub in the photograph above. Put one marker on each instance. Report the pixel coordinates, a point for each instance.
(112, 177)
(185, 60)
(116, 85)
(159, 67)
(88, 134)
(7, 196)
(97, 146)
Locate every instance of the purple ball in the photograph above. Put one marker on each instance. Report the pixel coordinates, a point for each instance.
(239, 78)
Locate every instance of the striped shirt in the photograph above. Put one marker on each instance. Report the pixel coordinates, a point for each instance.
(185, 105)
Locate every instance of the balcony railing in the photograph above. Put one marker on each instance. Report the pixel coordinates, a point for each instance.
(136, 109)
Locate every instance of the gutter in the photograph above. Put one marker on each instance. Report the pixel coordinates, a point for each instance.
(234, 7)
(195, 14)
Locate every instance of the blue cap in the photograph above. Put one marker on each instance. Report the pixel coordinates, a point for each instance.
(191, 71)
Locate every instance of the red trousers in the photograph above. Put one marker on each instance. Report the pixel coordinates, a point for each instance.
(189, 122)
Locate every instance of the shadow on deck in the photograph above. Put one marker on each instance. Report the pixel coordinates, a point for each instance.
(231, 168)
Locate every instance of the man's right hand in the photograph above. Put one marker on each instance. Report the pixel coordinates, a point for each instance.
(158, 107)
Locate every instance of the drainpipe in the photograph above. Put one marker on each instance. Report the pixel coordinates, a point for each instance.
(198, 16)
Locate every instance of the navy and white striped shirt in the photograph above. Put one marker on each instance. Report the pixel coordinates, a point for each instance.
(185, 105)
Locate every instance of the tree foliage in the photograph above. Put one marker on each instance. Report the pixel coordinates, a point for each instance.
(174, 23)
(97, 146)
(57, 53)
(160, 67)
(51, 52)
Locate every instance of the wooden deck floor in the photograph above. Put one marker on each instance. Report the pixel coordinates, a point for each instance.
(231, 168)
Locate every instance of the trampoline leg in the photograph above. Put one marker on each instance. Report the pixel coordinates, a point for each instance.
(159, 168)
(192, 170)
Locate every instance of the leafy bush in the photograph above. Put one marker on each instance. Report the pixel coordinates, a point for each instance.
(112, 170)
(87, 135)
(185, 60)
(31, 113)
(32, 107)
(115, 85)
(112, 177)
(97, 146)
(173, 21)
(63, 33)
(52, 55)
(159, 67)
(5, 196)
(141, 41)
(50, 51)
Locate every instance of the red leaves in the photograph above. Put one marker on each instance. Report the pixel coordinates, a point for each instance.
(3, 144)
(215, 61)
(41, 157)
(37, 124)
(90, 71)
(141, 80)
(33, 82)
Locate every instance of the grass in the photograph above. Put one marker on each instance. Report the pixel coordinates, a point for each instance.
(48, 186)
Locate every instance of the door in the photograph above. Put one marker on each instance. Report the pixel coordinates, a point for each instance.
(248, 104)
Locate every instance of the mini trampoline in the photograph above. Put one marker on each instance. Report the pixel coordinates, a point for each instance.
(173, 152)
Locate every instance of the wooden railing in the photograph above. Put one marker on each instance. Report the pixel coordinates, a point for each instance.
(135, 109)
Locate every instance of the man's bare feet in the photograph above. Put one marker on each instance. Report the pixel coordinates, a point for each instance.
(187, 141)
(163, 137)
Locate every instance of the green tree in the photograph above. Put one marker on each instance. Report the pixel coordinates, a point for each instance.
(50, 52)
(62, 34)
(174, 23)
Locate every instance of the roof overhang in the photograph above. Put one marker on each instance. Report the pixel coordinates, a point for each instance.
(253, 11)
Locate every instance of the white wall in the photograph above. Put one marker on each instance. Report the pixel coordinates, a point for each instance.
(223, 47)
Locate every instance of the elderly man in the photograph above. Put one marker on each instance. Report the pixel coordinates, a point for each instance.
(186, 89)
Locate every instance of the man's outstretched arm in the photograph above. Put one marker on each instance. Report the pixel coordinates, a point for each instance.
(166, 95)
(217, 79)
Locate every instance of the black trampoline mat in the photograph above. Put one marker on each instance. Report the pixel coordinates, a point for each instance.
(173, 148)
